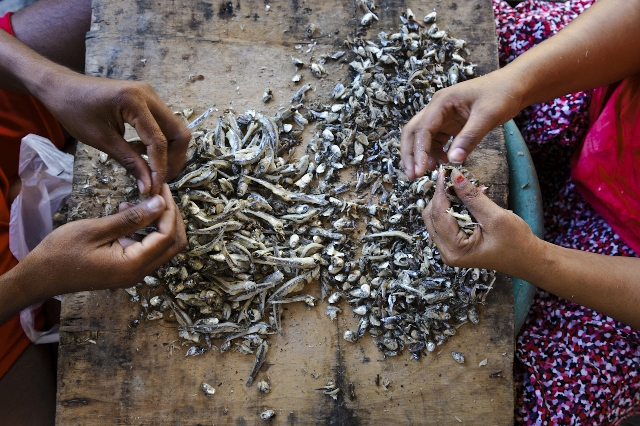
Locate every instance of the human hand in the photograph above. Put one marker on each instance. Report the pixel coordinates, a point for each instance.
(92, 255)
(467, 111)
(94, 110)
(502, 241)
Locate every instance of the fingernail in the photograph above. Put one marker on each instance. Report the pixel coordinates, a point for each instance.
(459, 178)
(154, 203)
(457, 155)
(141, 186)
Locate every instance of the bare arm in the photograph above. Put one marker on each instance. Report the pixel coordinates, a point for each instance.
(598, 48)
(607, 284)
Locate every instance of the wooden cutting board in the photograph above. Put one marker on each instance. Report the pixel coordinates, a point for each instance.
(198, 53)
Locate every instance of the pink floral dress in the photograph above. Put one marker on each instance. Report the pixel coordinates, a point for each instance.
(573, 365)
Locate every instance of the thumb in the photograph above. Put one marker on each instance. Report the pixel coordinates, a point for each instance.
(124, 223)
(478, 204)
(468, 138)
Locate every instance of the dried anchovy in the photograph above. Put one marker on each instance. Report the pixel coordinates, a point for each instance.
(396, 283)
(261, 226)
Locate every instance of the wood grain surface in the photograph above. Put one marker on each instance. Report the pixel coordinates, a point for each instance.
(198, 53)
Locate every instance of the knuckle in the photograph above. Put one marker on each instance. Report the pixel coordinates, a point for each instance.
(133, 216)
(145, 87)
(127, 94)
(160, 144)
(470, 192)
(425, 215)
(467, 138)
(129, 162)
(449, 257)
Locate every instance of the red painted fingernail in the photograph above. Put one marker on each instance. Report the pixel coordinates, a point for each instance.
(460, 178)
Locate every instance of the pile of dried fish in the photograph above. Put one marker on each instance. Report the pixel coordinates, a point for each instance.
(261, 228)
(398, 285)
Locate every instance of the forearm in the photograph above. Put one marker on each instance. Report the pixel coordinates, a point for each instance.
(607, 284)
(17, 291)
(23, 70)
(598, 48)
(55, 29)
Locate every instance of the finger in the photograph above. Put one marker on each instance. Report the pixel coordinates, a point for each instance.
(428, 222)
(149, 131)
(478, 204)
(468, 138)
(109, 228)
(445, 225)
(407, 139)
(176, 133)
(126, 242)
(133, 236)
(439, 142)
(127, 155)
(422, 147)
(170, 237)
(125, 206)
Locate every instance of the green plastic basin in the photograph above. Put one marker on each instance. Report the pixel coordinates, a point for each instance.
(525, 200)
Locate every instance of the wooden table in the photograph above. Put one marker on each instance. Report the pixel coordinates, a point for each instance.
(227, 53)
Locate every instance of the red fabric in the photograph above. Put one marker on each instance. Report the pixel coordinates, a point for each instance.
(606, 169)
(19, 116)
(5, 23)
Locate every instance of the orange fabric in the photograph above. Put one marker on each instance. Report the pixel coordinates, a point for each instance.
(13, 341)
(19, 116)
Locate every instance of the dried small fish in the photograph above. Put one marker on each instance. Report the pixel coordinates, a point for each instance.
(267, 95)
(260, 357)
(368, 18)
(317, 70)
(267, 415)
(299, 95)
(430, 18)
(207, 389)
(263, 386)
(458, 357)
(330, 389)
(264, 226)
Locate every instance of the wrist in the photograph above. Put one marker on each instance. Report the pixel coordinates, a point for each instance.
(517, 83)
(535, 259)
(17, 291)
(45, 85)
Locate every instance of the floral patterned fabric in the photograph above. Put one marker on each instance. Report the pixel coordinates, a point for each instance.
(573, 365)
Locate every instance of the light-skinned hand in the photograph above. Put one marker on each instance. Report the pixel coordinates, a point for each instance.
(467, 111)
(498, 242)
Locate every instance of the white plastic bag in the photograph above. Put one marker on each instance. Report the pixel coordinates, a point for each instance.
(46, 174)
